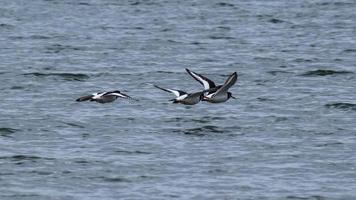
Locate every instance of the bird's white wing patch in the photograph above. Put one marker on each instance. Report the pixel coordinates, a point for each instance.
(182, 97)
(118, 94)
(201, 80)
(97, 95)
(175, 92)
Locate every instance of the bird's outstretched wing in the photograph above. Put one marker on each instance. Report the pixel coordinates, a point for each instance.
(207, 83)
(178, 93)
(119, 94)
(228, 83)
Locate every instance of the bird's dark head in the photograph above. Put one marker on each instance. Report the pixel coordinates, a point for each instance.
(116, 91)
(174, 101)
(229, 95)
(201, 97)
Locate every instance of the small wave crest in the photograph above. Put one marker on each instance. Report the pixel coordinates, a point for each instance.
(64, 76)
(21, 158)
(325, 72)
(6, 132)
(201, 131)
(341, 106)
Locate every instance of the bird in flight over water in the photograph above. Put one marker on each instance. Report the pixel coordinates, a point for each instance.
(184, 97)
(104, 97)
(216, 94)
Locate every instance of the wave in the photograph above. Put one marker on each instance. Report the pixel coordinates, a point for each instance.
(324, 72)
(6, 132)
(221, 38)
(341, 106)
(111, 179)
(56, 48)
(314, 197)
(350, 50)
(23, 158)
(276, 72)
(131, 152)
(275, 21)
(7, 26)
(65, 76)
(223, 4)
(201, 131)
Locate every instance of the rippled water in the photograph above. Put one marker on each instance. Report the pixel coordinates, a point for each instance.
(289, 135)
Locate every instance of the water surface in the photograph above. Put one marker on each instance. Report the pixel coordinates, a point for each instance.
(289, 135)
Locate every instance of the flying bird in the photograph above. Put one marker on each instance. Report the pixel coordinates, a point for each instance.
(184, 97)
(104, 97)
(216, 94)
